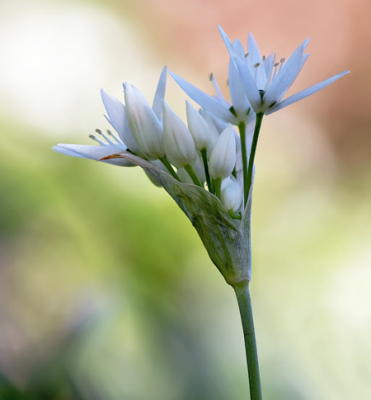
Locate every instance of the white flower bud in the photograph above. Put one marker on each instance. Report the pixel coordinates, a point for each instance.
(179, 145)
(144, 125)
(202, 136)
(231, 194)
(223, 157)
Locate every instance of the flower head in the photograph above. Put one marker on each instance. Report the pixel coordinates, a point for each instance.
(266, 81)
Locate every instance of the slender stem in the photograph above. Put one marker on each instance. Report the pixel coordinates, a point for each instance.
(206, 167)
(193, 175)
(244, 303)
(242, 129)
(217, 184)
(258, 123)
(165, 161)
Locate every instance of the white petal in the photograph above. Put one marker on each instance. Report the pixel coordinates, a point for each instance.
(160, 94)
(204, 100)
(253, 50)
(286, 77)
(238, 48)
(93, 153)
(225, 38)
(249, 85)
(144, 125)
(238, 95)
(305, 93)
(116, 112)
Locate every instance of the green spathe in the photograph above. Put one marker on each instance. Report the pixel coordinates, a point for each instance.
(227, 240)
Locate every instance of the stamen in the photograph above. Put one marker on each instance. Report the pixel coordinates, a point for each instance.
(282, 60)
(106, 137)
(227, 82)
(276, 64)
(247, 54)
(211, 77)
(97, 140)
(263, 58)
(256, 65)
(114, 136)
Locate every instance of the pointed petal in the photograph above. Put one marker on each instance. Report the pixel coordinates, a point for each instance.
(249, 84)
(204, 100)
(225, 38)
(217, 89)
(116, 112)
(160, 94)
(238, 48)
(305, 93)
(93, 153)
(238, 95)
(253, 50)
(67, 152)
(287, 76)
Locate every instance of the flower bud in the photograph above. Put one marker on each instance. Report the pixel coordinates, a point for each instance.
(144, 125)
(231, 194)
(179, 145)
(223, 157)
(202, 136)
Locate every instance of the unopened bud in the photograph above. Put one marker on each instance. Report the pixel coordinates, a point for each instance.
(199, 128)
(223, 157)
(179, 145)
(231, 194)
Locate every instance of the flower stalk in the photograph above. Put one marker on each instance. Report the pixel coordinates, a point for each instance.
(244, 304)
(249, 178)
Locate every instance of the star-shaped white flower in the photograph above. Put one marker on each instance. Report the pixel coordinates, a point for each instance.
(266, 81)
(111, 144)
(239, 110)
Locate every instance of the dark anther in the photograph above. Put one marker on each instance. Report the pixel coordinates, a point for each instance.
(233, 111)
(261, 91)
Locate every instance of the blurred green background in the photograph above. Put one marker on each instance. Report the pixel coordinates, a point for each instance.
(105, 289)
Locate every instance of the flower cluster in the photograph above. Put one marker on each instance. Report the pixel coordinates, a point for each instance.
(205, 160)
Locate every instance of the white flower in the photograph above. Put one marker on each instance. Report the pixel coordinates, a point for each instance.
(223, 156)
(266, 81)
(179, 145)
(240, 109)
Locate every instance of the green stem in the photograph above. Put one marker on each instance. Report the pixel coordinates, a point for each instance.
(244, 303)
(217, 184)
(206, 167)
(258, 123)
(242, 129)
(193, 175)
(234, 215)
(165, 161)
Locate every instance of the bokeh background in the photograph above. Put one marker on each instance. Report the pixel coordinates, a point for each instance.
(105, 289)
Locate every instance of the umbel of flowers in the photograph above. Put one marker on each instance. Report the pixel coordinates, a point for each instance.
(205, 165)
